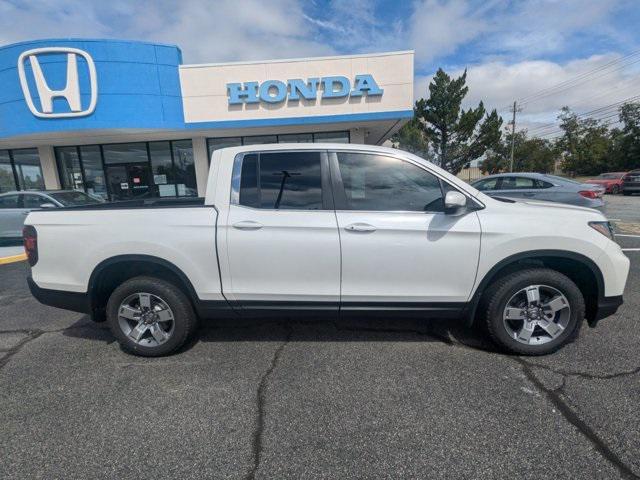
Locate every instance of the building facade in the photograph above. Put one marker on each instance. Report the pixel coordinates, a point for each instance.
(122, 119)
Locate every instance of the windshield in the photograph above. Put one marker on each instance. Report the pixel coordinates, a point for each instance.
(73, 199)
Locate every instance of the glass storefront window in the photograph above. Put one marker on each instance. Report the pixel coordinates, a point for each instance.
(259, 139)
(125, 153)
(162, 169)
(331, 137)
(217, 143)
(296, 138)
(27, 165)
(184, 168)
(7, 180)
(69, 168)
(94, 180)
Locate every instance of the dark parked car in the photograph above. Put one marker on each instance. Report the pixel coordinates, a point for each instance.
(631, 183)
(540, 186)
(15, 206)
(611, 181)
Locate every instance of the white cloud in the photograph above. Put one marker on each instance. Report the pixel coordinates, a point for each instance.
(206, 31)
(498, 85)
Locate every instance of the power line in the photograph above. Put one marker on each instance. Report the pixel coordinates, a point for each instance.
(580, 78)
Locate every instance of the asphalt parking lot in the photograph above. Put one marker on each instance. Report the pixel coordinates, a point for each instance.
(281, 399)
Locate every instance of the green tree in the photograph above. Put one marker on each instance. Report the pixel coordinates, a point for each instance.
(530, 155)
(411, 137)
(585, 145)
(626, 140)
(454, 135)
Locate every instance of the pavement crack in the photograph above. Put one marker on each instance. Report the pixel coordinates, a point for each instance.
(30, 335)
(556, 399)
(261, 401)
(587, 376)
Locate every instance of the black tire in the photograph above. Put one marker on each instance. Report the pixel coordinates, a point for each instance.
(626, 194)
(615, 190)
(494, 302)
(184, 318)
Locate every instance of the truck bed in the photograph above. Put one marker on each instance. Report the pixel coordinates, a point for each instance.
(140, 203)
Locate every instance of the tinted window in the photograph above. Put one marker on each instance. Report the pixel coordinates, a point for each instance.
(33, 201)
(380, 183)
(70, 199)
(282, 180)
(488, 184)
(10, 201)
(517, 183)
(27, 165)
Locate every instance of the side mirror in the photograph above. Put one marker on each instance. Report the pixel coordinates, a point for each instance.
(48, 205)
(454, 202)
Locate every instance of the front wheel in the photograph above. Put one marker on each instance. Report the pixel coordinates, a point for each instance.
(150, 316)
(533, 312)
(615, 190)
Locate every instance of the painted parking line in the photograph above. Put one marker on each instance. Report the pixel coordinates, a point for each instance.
(13, 258)
(626, 235)
(631, 249)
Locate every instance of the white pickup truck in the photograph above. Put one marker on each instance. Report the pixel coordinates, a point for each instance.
(328, 228)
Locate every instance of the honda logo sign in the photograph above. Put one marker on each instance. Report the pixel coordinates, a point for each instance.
(71, 92)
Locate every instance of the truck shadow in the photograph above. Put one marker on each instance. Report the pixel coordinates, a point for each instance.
(443, 331)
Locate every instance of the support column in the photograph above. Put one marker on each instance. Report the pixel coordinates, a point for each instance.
(49, 168)
(201, 161)
(356, 135)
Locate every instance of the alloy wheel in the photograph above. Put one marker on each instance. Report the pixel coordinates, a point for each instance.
(536, 314)
(146, 319)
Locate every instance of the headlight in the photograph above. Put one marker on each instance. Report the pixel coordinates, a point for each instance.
(604, 228)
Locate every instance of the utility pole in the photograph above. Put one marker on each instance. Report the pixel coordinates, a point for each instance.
(513, 132)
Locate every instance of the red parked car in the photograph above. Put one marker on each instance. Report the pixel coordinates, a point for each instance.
(612, 181)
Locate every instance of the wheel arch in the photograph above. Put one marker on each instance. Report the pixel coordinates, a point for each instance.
(580, 269)
(113, 271)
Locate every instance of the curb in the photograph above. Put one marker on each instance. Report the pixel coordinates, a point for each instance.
(13, 258)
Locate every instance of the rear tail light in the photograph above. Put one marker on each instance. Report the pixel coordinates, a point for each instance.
(590, 194)
(30, 240)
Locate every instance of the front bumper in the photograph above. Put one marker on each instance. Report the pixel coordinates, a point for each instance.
(74, 301)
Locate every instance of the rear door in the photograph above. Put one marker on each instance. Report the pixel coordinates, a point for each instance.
(281, 233)
(400, 251)
(12, 216)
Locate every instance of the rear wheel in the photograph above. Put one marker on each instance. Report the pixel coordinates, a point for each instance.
(534, 311)
(150, 316)
(615, 189)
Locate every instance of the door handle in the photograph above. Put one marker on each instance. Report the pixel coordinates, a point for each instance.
(360, 227)
(529, 194)
(247, 225)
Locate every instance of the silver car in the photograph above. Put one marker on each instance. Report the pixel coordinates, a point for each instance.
(15, 206)
(540, 186)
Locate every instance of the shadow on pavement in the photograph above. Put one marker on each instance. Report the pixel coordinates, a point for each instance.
(322, 330)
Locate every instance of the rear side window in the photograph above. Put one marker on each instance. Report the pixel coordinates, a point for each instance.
(488, 184)
(381, 183)
(518, 183)
(33, 201)
(10, 201)
(281, 180)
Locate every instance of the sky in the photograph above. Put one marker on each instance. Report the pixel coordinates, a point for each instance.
(511, 49)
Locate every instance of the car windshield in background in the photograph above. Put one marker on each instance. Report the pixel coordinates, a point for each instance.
(74, 199)
(563, 179)
(610, 176)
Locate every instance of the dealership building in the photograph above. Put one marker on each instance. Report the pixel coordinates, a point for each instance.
(122, 119)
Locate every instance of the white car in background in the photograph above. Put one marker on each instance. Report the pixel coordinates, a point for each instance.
(15, 206)
(334, 229)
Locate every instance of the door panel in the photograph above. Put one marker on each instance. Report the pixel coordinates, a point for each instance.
(283, 255)
(12, 216)
(409, 257)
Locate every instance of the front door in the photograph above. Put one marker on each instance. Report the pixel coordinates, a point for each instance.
(400, 251)
(280, 237)
(128, 181)
(12, 215)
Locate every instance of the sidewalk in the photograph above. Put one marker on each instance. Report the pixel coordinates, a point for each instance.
(12, 254)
